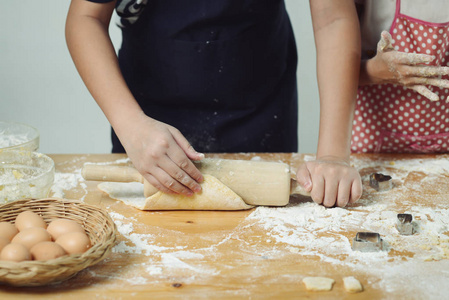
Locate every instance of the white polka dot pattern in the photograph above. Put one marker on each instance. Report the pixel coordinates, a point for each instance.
(392, 118)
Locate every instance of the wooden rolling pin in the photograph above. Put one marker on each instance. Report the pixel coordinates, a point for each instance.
(257, 182)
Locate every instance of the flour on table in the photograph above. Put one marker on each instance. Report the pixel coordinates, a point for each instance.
(411, 265)
(67, 181)
(161, 260)
(71, 179)
(309, 229)
(126, 160)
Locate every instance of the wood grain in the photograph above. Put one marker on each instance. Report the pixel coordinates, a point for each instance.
(234, 256)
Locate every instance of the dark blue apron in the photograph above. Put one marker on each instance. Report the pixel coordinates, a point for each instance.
(223, 72)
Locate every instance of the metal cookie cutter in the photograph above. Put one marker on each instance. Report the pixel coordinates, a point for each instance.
(405, 225)
(367, 242)
(380, 182)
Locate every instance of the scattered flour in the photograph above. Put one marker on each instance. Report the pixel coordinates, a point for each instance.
(65, 181)
(135, 243)
(68, 181)
(435, 166)
(305, 229)
(161, 260)
(115, 162)
(301, 228)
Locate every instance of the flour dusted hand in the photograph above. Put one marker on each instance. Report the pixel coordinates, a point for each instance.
(162, 155)
(403, 68)
(330, 181)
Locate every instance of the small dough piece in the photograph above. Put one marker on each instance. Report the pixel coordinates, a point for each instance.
(352, 285)
(214, 196)
(318, 284)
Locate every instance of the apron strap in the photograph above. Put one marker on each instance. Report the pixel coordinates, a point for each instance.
(398, 7)
(396, 14)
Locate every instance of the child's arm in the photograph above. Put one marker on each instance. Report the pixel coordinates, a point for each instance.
(157, 150)
(330, 178)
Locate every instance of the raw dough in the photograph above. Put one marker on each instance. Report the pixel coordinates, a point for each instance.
(318, 283)
(214, 196)
(352, 285)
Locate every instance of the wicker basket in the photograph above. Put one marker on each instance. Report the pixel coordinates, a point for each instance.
(98, 225)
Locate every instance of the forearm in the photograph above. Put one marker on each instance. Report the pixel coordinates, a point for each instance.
(337, 41)
(94, 56)
(338, 89)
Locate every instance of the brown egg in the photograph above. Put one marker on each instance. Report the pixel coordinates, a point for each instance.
(58, 227)
(15, 252)
(28, 219)
(74, 242)
(3, 243)
(31, 236)
(8, 230)
(46, 251)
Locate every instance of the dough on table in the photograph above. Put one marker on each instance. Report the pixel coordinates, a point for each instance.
(352, 285)
(318, 284)
(214, 196)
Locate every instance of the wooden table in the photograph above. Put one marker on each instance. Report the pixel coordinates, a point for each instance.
(210, 254)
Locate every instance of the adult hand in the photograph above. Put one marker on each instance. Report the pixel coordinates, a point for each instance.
(407, 69)
(163, 156)
(330, 181)
(158, 151)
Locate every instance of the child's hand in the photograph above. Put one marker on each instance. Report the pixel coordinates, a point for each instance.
(331, 182)
(163, 156)
(407, 69)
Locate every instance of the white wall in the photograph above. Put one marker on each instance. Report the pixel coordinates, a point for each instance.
(39, 84)
(309, 107)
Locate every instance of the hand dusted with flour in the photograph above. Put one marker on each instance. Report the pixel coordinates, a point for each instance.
(397, 109)
(403, 68)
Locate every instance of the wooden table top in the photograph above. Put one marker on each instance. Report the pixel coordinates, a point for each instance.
(266, 252)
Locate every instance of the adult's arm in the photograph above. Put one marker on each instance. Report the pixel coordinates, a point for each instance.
(159, 151)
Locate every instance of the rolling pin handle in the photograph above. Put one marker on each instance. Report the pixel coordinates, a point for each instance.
(297, 189)
(111, 173)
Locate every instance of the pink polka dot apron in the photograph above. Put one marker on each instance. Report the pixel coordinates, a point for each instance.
(393, 118)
